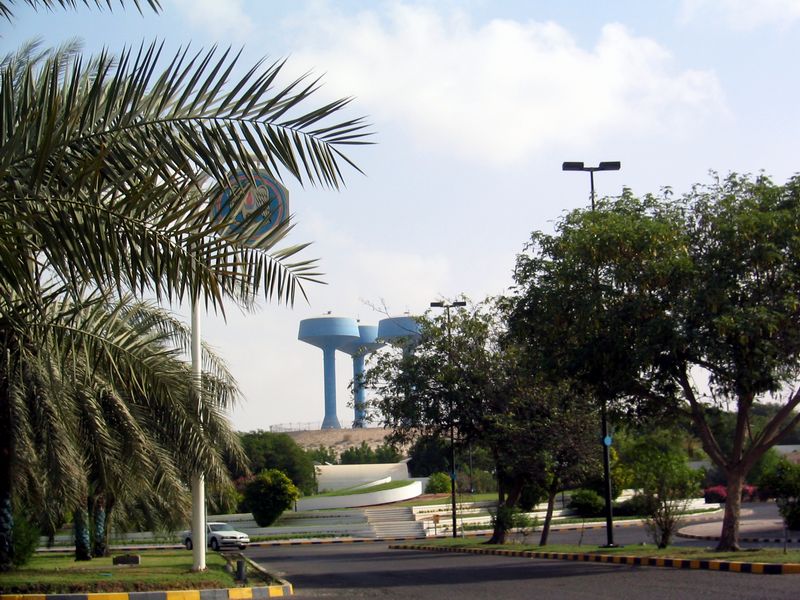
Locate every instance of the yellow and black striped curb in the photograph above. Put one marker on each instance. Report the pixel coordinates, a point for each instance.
(643, 561)
(749, 540)
(244, 593)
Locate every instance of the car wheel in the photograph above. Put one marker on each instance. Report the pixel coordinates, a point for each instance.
(188, 544)
(214, 544)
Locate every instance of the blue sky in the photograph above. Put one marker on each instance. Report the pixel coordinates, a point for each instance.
(475, 105)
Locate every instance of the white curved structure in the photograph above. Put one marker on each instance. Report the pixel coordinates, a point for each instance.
(412, 490)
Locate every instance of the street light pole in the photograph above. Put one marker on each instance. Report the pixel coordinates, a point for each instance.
(447, 306)
(603, 166)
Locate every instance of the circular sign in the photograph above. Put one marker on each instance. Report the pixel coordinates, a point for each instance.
(607, 440)
(265, 202)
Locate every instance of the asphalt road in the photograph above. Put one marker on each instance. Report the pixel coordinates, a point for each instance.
(373, 571)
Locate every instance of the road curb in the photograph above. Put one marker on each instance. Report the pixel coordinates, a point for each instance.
(715, 538)
(643, 561)
(243, 593)
(318, 542)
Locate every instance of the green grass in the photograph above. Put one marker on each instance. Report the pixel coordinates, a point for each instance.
(365, 490)
(445, 499)
(159, 570)
(761, 555)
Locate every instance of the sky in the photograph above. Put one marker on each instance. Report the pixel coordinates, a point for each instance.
(474, 105)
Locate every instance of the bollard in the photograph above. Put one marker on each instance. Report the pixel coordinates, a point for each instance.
(241, 570)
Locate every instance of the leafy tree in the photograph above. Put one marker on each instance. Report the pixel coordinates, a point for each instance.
(660, 473)
(322, 455)
(268, 495)
(266, 450)
(358, 455)
(636, 297)
(464, 378)
(783, 483)
(428, 455)
(387, 453)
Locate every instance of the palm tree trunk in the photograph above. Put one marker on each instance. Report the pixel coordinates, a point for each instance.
(80, 523)
(551, 501)
(107, 533)
(729, 537)
(6, 514)
(99, 547)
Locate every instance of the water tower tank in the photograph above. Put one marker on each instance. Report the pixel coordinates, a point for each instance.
(400, 331)
(328, 333)
(358, 349)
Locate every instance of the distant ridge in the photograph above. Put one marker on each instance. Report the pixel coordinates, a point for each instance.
(339, 439)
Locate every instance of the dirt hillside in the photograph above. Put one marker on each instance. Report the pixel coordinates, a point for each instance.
(338, 439)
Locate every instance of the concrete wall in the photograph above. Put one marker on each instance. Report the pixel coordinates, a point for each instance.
(339, 477)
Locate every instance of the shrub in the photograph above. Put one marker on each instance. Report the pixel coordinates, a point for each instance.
(586, 503)
(480, 482)
(716, 494)
(638, 506)
(25, 538)
(783, 483)
(507, 519)
(719, 493)
(268, 495)
(438, 483)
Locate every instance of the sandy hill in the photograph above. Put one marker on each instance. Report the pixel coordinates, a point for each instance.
(338, 439)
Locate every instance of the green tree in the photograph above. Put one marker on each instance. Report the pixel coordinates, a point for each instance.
(468, 379)
(268, 495)
(266, 450)
(636, 297)
(322, 455)
(662, 476)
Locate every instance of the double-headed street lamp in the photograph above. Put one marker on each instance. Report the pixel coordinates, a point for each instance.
(447, 306)
(603, 166)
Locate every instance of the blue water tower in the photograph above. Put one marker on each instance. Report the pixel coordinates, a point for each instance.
(329, 333)
(358, 349)
(400, 331)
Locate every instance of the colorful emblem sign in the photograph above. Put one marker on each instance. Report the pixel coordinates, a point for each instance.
(267, 197)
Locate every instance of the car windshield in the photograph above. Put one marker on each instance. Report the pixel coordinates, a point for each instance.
(220, 527)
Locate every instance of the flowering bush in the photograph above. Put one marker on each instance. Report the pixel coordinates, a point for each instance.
(719, 493)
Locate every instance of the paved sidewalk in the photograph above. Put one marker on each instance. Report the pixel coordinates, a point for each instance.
(759, 522)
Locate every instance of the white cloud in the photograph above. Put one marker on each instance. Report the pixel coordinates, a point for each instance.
(504, 90)
(743, 14)
(224, 19)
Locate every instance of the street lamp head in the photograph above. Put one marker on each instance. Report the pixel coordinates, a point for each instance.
(459, 303)
(572, 166)
(437, 304)
(609, 166)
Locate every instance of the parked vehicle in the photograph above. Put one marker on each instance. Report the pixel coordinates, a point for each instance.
(218, 536)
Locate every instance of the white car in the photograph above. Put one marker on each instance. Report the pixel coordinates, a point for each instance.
(219, 535)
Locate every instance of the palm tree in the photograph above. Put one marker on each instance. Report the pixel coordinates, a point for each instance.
(107, 171)
(97, 437)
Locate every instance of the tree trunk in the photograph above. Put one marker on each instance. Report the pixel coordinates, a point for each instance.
(107, 533)
(504, 510)
(81, 528)
(99, 548)
(729, 537)
(551, 500)
(6, 514)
